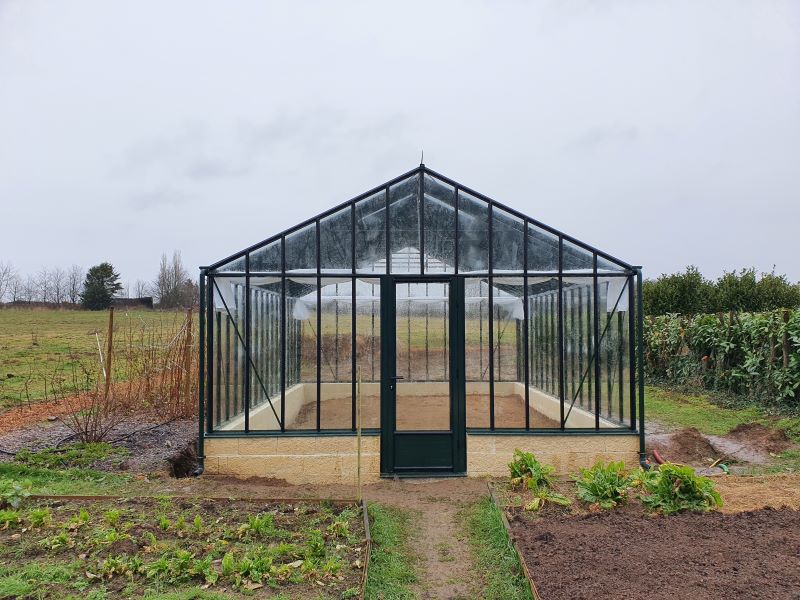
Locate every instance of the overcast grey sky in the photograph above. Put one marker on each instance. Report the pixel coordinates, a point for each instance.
(666, 133)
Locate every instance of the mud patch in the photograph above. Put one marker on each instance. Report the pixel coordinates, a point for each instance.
(687, 446)
(638, 557)
(750, 443)
(761, 436)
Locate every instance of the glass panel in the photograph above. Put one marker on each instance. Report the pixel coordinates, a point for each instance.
(301, 249)
(236, 265)
(371, 234)
(336, 407)
(606, 265)
(473, 234)
(404, 225)
(476, 351)
(543, 353)
(576, 258)
(440, 226)
(228, 358)
(265, 344)
(335, 243)
(613, 359)
(542, 249)
(422, 357)
(509, 355)
(267, 258)
(368, 350)
(301, 355)
(508, 241)
(579, 367)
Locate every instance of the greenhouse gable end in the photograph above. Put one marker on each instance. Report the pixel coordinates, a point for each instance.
(442, 326)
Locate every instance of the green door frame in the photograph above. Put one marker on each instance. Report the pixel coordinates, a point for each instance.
(423, 453)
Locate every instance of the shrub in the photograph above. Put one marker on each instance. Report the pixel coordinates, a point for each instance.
(603, 485)
(689, 293)
(526, 470)
(755, 355)
(678, 488)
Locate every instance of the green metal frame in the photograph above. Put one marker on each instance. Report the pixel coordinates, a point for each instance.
(210, 275)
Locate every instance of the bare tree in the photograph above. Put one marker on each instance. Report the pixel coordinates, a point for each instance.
(58, 282)
(44, 286)
(74, 284)
(7, 276)
(141, 289)
(15, 288)
(169, 287)
(30, 289)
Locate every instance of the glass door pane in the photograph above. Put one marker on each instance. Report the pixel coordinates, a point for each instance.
(422, 363)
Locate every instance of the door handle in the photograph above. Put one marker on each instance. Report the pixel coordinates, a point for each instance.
(394, 378)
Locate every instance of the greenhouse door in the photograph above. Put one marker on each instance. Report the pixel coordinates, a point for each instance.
(422, 409)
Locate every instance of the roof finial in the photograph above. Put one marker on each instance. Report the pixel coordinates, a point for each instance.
(422, 158)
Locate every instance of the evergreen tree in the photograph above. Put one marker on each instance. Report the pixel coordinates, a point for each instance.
(102, 282)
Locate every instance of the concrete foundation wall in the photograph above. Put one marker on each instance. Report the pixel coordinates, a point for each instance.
(332, 459)
(489, 455)
(297, 459)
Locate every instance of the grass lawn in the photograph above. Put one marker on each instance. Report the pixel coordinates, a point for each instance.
(76, 481)
(495, 557)
(680, 409)
(391, 567)
(35, 344)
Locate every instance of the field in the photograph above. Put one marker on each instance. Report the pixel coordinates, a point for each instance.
(37, 345)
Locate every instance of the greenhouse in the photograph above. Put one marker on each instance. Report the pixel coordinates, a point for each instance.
(420, 328)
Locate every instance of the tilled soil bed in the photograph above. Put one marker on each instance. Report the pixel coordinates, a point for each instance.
(624, 554)
(53, 548)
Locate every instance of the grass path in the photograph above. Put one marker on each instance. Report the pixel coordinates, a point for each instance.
(436, 545)
(496, 559)
(440, 539)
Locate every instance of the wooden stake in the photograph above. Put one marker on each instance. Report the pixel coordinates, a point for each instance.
(108, 351)
(187, 357)
(358, 433)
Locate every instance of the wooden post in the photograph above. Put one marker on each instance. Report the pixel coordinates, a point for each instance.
(187, 358)
(109, 351)
(358, 433)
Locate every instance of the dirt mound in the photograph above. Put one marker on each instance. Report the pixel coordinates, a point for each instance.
(761, 437)
(687, 446)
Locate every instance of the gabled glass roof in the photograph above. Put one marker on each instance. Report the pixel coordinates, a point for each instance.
(426, 224)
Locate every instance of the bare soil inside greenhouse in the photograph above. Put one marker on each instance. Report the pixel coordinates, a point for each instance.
(425, 412)
(627, 554)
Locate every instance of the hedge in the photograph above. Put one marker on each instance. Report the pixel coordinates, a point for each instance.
(756, 355)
